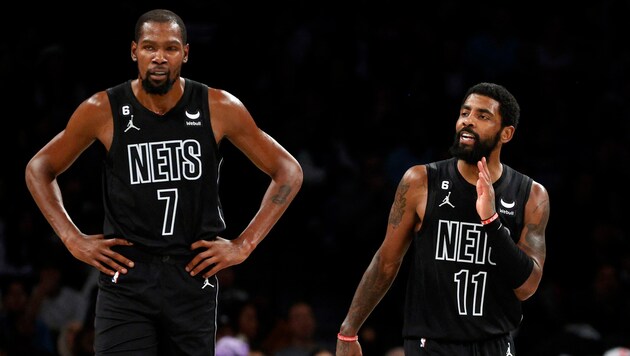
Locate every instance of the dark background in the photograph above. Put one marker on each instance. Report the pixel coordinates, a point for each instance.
(358, 93)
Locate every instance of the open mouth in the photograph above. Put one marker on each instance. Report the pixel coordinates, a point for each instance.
(467, 137)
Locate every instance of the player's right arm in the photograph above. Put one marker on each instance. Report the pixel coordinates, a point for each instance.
(91, 121)
(404, 220)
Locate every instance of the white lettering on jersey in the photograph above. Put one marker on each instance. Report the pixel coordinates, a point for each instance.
(461, 242)
(164, 161)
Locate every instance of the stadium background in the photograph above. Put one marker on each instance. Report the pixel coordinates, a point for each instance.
(357, 93)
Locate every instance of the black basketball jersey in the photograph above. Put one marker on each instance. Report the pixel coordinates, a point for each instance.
(161, 174)
(454, 292)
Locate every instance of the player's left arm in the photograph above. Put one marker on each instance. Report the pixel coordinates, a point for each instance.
(532, 240)
(232, 121)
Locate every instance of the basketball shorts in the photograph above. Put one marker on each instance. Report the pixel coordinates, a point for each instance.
(157, 308)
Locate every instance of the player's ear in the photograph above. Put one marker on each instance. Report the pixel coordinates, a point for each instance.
(507, 133)
(134, 46)
(186, 49)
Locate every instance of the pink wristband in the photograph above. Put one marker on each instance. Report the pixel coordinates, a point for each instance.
(347, 338)
(490, 219)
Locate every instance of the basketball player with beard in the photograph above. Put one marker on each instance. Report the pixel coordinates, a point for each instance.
(476, 228)
(161, 246)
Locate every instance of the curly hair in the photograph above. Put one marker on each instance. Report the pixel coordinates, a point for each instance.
(508, 106)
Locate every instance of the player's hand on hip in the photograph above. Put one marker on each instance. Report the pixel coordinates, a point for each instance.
(96, 251)
(217, 254)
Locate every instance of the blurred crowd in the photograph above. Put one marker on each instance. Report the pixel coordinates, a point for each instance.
(358, 94)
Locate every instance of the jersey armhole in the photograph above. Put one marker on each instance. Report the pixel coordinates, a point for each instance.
(432, 172)
(524, 191)
(112, 96)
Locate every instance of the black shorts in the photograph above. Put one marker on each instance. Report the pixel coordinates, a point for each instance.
(157, 308)
(502, 345)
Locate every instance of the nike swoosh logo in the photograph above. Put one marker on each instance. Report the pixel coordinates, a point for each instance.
(193, 116)
(507, 205)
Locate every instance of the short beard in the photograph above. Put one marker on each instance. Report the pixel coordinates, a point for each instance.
(160, 89)
(480, 148)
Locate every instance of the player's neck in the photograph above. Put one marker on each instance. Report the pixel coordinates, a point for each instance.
(159, 104)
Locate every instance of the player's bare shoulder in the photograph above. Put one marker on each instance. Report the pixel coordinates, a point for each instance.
(96, 106)
(415, 178)
(538, 204)
(539, 192)
(93, 118)
(228, 115)
(221, 100)
(411, 194)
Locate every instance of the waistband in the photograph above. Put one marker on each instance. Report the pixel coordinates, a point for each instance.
(460, 342)
(139, 254)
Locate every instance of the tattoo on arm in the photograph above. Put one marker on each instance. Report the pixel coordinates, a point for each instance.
(281, 197)
(535, 238)
(400, 201)
(374, 284)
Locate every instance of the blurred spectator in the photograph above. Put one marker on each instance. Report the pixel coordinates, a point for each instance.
(395, 351)
(22, 332)
(248, 325)
(617, 351)
(67, 338)
(55, 302)
(320, 351)
(229, 345)
(234, 331)
(301, 332)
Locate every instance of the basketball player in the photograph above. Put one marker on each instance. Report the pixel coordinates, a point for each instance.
(476, 228)
(161, 246)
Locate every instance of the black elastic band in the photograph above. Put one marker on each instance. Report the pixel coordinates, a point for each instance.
(514, 264)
